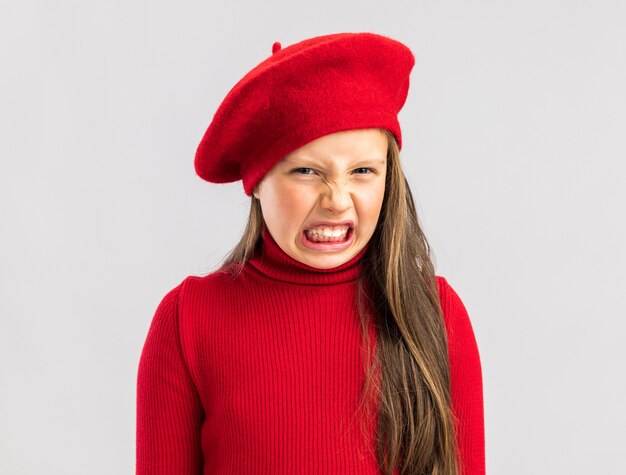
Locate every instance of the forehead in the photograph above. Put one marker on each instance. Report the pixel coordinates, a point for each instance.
(300, 159)
(345, 146)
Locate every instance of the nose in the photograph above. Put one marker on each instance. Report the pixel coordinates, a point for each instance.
(336, 198)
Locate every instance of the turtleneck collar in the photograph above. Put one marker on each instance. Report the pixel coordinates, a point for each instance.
(270, 259)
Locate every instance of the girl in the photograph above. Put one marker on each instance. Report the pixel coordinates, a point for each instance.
(324, 343)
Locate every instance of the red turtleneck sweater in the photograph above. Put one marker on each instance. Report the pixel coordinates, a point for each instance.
(261, 374)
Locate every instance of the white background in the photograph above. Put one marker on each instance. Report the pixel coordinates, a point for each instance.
(514, 144)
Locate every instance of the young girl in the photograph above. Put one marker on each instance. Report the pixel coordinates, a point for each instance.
(324, 343)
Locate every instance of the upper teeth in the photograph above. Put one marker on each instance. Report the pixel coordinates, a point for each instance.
(329, 231)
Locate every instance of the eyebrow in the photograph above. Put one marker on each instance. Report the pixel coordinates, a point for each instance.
(364, 161)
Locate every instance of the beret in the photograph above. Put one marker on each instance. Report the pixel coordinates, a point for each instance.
(304, 91)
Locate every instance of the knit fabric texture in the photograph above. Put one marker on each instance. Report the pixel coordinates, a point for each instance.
(261, 374)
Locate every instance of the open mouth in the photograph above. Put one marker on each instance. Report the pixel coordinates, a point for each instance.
(321, 239)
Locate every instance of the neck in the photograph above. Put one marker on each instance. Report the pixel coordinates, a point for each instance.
(272, 261)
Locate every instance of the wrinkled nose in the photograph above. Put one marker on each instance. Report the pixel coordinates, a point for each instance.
(336, 198)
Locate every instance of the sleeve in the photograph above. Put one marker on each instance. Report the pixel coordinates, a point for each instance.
(169, 410)
(466, 381)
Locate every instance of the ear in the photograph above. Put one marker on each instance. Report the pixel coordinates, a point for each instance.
(255, 191)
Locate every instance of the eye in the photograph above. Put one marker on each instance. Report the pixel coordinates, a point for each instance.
(303, 171)
(296, 170)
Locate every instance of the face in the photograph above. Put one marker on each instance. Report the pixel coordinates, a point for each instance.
(335, 178)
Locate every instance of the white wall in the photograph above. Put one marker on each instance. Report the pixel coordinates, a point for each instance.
(514, 142)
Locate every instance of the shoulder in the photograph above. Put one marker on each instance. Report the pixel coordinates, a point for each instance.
(194, 298)
(196, 290)
(186, 308)
(455, 314)
(167, 309)
(192, 284)
(449, 298)
(180, 294)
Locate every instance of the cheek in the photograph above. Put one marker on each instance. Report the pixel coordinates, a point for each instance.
(298, 204)
(370, 201)
(289, 205)
(368, 206)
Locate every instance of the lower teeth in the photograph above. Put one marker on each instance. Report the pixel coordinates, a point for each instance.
(325, 239)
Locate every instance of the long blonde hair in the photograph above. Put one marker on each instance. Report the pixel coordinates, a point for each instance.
(416, 427)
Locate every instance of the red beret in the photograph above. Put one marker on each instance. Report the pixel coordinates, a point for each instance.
(302, 92)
